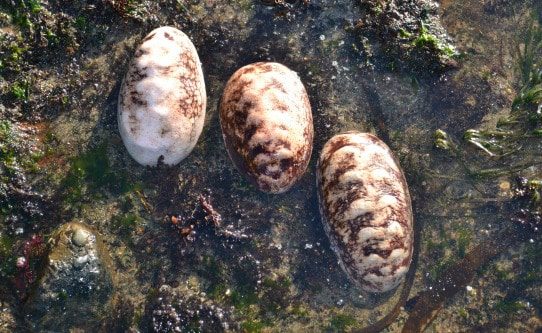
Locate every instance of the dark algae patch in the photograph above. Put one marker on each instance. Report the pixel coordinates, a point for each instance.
(341, 322)
(91, 173)
(452, 87)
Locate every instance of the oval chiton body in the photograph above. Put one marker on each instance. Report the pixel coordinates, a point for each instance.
(366, 210)
(266, 122)
(162, 100)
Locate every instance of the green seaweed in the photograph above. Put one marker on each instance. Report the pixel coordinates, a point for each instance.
(427, 41)
(525, 119)
(252, 326)
(441, 266)
(7, 152)
(513, 132)
(21, 90)
(12, 57)
(21, 12)
(341, 322)
(128, 8)
(243, 299)
(503, 274)
(299, 311)
(126, 222)
(275, 295)
(529, 56)
(90, 172)
(464, 238)
(508, 307)
(7, 259)
(8, 267)
(81, 23)
(217, 291)
(6, 243)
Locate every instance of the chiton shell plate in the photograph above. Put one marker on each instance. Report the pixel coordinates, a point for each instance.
(366, 210)
(162, 100)
(267, 126)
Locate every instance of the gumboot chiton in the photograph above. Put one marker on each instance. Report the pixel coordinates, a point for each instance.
(266, 122)
(366, 210)
(162, 100)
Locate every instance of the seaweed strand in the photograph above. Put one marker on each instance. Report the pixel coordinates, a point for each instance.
(454, 279)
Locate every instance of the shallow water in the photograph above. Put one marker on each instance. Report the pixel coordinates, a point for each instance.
(72, 165)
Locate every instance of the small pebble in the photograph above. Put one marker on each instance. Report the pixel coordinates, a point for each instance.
(21, 262)
(80, 237)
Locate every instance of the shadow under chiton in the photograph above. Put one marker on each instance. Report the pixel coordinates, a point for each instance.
(162, 100)
(266, 122)
(366, 210)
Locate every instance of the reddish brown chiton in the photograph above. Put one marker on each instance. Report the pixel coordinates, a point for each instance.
(366, 210)
(266, 122)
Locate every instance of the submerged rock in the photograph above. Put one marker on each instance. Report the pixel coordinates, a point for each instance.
(407, 35)
(266, 122)
(75, 284)
(162, 100)
(366, 210)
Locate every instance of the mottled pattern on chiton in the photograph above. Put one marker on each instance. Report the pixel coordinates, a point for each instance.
(162, 100)
(266, 122)
(366, 210)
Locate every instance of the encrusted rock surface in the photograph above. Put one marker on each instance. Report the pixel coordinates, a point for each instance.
(76, 283)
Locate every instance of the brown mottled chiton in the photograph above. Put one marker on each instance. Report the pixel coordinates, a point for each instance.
(162, 100)
(266, 122)
(366, 210)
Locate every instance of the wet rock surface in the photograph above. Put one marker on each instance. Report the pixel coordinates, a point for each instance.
(409, 36)
(61, 67)
(76, 283)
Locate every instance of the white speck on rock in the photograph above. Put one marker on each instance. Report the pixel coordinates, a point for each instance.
(21, 262)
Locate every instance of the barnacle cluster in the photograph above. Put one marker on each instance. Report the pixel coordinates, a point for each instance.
(176, 312)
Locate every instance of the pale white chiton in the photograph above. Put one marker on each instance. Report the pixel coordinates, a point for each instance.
(162, 100)
(366, 210)
(266, 122)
